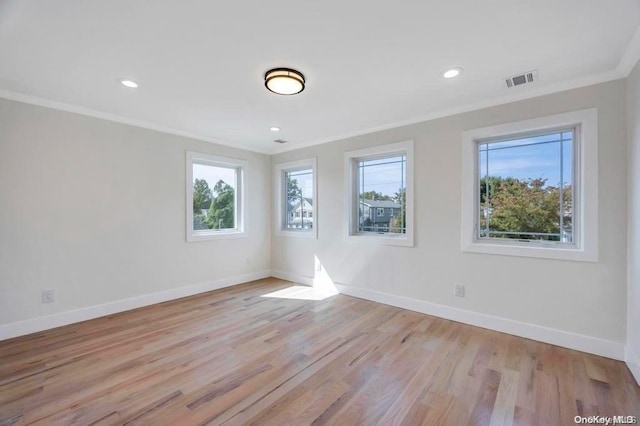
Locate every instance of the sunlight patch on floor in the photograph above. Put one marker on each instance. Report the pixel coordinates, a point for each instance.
(301, 292)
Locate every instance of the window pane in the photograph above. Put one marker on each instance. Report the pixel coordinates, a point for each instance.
(381, 193)
(526, 188)
(299, 199)
(214, 197)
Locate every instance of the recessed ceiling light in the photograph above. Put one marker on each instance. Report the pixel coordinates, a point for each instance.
(128, 83)
(452, 72)
(275, 129)
(284, 81)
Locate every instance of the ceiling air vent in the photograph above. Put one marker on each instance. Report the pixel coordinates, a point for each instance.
(279, 141)
(520, 79)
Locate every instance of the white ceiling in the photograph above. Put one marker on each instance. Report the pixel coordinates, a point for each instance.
(369, 64)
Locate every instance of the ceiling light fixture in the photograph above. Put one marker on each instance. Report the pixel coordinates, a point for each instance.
(284, 81)
(128, 83)
(452, 72)
(275, 129)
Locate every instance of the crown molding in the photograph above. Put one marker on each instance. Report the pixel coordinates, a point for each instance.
(521, 94)
(631, 55)
(633, 51)
(61, 106)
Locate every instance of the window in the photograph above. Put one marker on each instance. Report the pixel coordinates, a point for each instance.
(381, 184)
(530, 188)
(380, 180)
(215, 197)
(296, 201)
(526, 188)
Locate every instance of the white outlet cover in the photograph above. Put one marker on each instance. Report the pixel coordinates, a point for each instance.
(458, 290)
(48, 296)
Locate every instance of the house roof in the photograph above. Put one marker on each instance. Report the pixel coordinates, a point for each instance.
(385, 204)
(308, 200)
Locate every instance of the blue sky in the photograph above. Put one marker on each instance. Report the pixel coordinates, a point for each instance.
(386, 175)
(522, 160)
(213, 174)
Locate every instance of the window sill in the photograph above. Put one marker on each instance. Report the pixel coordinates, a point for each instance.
(297, 234)
(541, 251)
(383, 239)
(208, 236)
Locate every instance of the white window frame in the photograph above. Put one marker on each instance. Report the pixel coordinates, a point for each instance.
(280, 198)
(351, 159)
(240, 231)
(380, 212)
(585, 204)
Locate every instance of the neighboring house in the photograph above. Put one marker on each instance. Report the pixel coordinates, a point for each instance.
(301, 214)
(376, 215)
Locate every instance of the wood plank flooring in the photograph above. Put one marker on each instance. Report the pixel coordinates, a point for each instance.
(238, 357)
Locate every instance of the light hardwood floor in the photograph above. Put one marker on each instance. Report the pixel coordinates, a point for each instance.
(236, 357)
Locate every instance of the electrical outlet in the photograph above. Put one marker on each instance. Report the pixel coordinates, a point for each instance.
(458, 290)
(48, 296)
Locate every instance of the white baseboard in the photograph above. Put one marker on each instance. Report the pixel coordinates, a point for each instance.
(553, 336)
(633, 362)
(288, 276)
(566, 339)
(21, 328)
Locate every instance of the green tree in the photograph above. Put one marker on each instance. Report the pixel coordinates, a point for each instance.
(202, 195)
(221, 213)
(524, 207)
(398, 223)
(373, 195)
(294, 192)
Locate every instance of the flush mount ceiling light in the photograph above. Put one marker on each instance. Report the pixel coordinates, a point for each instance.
(452, 72)
(284, 81)
(128, 83)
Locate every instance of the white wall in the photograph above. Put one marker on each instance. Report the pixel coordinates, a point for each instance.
(583, 298)
(633, 295)
(96, 210)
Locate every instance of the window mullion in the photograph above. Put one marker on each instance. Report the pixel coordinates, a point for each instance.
(561, 188)
(487, 203)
